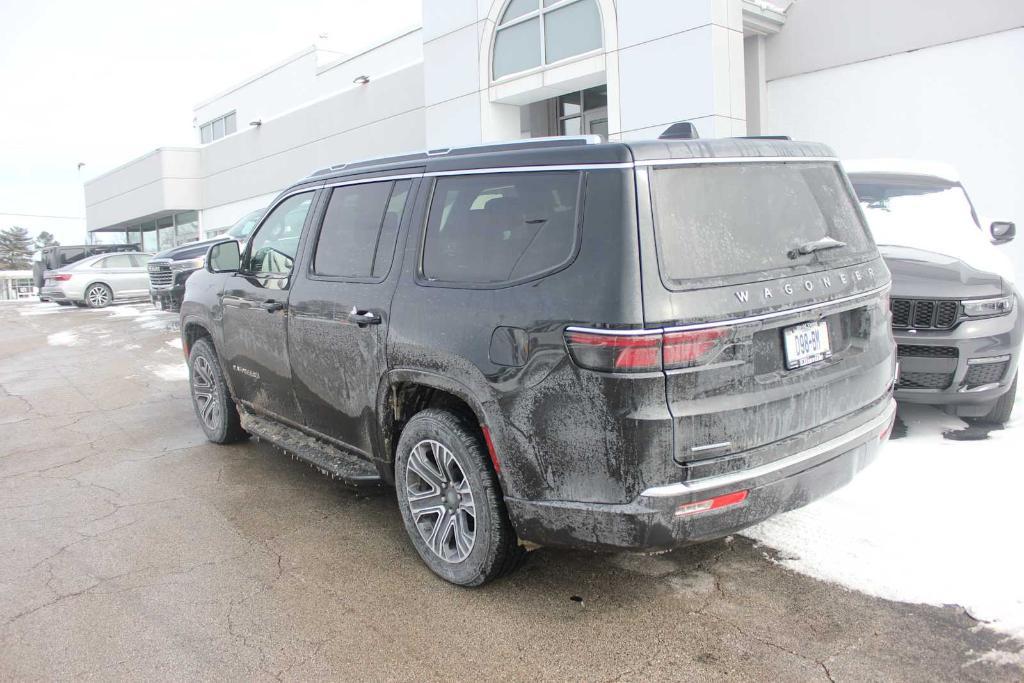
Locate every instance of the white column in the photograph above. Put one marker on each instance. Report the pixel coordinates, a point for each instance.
(756, 90)
(681, 60)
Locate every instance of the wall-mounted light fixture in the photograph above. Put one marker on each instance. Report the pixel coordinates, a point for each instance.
(361, 80)
(257, 123)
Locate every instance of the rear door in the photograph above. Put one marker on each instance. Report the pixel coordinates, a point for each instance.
(339, 310)
(771, 294)
(255, 302)
(121, 274)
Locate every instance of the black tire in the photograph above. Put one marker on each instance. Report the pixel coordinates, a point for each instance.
(217, 414)
(1001, 409)
(98, 295)
(494, 550)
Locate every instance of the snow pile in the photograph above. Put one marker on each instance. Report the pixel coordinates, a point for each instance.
(174, 343)
(63, 338)
(173, 372)
(931, 521)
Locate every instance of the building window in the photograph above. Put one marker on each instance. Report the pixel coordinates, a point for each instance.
(218, 128)
(186, 227)
(532, 33)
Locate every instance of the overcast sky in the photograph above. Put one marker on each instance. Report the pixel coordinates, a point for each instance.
(104, 81)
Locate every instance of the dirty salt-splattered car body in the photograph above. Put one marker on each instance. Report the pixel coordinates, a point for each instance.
(620, 346)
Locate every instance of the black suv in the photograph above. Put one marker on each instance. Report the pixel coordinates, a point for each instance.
(620, 346)
(170, 269)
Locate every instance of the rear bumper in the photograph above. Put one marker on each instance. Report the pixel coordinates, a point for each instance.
(52, 294)
(650, 521)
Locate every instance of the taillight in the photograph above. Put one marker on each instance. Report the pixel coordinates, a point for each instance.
(62, 277)
(716, 503)
(644, 351)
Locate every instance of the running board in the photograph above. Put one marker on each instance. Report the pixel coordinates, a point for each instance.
(329, 459)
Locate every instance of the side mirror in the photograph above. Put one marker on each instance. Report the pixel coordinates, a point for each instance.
(224, 257)
(1002, 232)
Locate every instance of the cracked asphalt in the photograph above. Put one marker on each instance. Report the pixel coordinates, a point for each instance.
(130, 548)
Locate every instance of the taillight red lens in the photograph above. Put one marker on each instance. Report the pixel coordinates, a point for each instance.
(716, 503)
(62, 277)
(686, 349)
(643, 352)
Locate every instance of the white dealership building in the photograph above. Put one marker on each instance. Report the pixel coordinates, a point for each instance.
(935, 79)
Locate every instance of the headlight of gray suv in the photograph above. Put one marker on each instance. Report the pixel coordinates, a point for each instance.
(189, 264)
(978, 308)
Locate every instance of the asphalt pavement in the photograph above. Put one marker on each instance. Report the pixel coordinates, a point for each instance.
(130, 548)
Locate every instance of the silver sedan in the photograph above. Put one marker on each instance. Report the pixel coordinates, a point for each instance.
(99, 281)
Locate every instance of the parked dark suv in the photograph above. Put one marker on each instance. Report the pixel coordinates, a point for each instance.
(171, 268)
(621, 346)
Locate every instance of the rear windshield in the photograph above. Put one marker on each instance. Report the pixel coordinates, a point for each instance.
(747, 221)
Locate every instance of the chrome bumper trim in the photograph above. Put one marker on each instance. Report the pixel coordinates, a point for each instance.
(685, 488)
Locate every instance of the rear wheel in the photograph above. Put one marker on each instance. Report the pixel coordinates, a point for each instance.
(1002, 408)
(211, 399)
(98, 296)
(451, 502)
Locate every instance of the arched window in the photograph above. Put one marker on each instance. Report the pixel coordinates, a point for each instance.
(532, 33)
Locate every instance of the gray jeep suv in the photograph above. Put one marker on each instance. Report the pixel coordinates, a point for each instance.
(624, 346)
(955, 311)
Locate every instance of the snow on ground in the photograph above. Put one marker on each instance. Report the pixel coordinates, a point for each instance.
(41, 309)
(171, 372)
(174, 343)
(930, 521)
(63, 338)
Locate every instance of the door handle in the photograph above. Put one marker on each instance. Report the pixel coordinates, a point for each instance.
(363, 317)
(270, 306)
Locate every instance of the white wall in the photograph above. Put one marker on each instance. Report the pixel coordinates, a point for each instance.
(960, 103)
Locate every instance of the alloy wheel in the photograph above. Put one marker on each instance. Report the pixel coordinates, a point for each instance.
(204, 390)
(98, 297)
(440, 501)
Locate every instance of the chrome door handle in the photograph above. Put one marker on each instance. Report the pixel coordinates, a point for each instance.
(363, 317)
(271, 306)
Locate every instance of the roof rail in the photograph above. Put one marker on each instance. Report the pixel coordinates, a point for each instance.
(505, 145)
(762, 137)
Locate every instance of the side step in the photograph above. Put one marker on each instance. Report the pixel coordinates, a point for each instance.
(329, 459)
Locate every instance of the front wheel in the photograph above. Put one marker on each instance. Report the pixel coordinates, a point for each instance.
(211, 399)
(98, 296)
(451, 502)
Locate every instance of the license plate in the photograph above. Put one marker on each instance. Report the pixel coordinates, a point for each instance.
(806, 344)
(159, 304)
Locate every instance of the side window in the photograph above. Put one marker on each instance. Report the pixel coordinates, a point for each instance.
(118, 261)
(272, 248)
(140, 260)
(357, 238)
(505, 227)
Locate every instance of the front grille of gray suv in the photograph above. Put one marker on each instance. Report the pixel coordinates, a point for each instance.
(924, 314)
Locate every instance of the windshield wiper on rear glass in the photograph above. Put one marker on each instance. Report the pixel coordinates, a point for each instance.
(816, 245)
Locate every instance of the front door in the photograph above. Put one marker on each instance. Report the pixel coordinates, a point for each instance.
(339, 310)
(255, 304)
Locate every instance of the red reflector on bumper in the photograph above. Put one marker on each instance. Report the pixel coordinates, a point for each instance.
(716, 503)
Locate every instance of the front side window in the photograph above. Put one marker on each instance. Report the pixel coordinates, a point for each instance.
(359, 229)
(725, 221)
(532, 33)
(500, 228)
(272, 249)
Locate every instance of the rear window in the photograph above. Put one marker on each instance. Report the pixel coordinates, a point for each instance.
(747, 221)
(501, 228)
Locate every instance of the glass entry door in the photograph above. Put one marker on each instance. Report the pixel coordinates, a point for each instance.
(584, 112)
